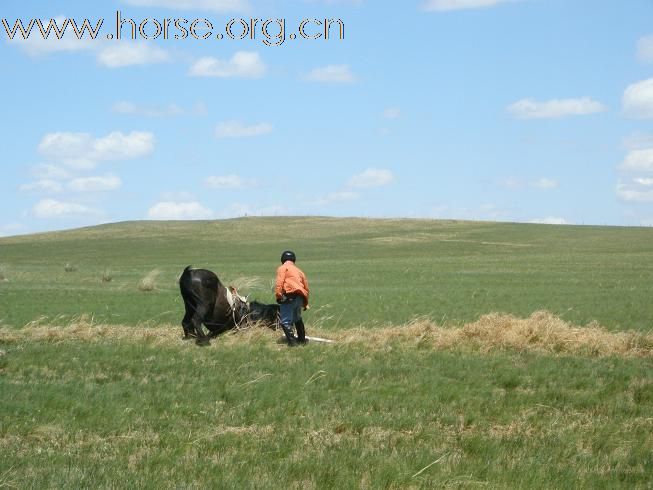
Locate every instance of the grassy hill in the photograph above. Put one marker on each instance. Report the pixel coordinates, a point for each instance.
(362, 271)
(103, 393)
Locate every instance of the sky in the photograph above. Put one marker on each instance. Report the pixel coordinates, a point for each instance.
(502, 110)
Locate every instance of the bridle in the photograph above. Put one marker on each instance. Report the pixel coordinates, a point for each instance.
(237, 302)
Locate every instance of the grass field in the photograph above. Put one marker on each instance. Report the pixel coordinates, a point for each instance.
(467, 355)
(361, 271)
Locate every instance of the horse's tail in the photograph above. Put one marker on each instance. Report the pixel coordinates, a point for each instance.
(186, 287)
(184, 279)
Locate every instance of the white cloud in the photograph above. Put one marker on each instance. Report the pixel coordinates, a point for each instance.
(12, 229)
(372, 177)
(638, 141)
(95, 184)
(446, 5)
(243, 64)
(83, 151)
(644, 181)
(515, 183)
(124, 107)
(639, 188)
(119, 146)
(545, 183)
(337, 2)
(50, 172)
(50, 208)
(71, 148)
(169, 110)
(237, 129)
(108, 54)
(637, 100)
(638, 161)
(634, 193)
(43, 185)
(210, 5)
(332, 74)
(645, 49)
(36, 45)
(554, 108)
(550, 220)
(170, 210)
(121, 54)
(512, 183)
(228, 182)
(392, 113)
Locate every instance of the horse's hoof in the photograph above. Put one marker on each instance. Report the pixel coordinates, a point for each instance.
(203, 342)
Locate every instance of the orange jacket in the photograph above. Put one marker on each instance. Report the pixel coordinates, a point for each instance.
(291, 280)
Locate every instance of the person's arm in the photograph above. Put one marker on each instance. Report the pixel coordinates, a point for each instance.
(278, 286)
(308, 291)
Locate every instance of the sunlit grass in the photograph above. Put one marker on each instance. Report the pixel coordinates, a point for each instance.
(100, 406)
(370, 272)
(466, 355)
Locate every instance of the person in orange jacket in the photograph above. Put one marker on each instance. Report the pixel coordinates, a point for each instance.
(291, 290)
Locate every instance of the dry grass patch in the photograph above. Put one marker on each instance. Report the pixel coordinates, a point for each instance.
(84, 329)
(148, 283)
(250, 430)
(69, 267)
(247, 283)
(107, 275)
(542, 332)
(400, 239)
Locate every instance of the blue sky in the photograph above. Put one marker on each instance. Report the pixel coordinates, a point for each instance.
(515, 110)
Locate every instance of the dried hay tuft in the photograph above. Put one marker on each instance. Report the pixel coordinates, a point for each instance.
(542, 332)
(148, 283)
(107, 275)
(246, 284)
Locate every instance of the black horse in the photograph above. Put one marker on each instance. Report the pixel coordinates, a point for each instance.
(209, 302)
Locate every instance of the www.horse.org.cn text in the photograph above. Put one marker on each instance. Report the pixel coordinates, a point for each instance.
(271, 32)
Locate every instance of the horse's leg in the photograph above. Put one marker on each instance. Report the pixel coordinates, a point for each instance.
(187, 325)
(196, 324)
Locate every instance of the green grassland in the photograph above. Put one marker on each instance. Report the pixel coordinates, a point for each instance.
(361, 271)
(259, 415)
(99, 391)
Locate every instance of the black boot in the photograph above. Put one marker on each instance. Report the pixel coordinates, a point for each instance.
(287, 330)
(301, 331)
